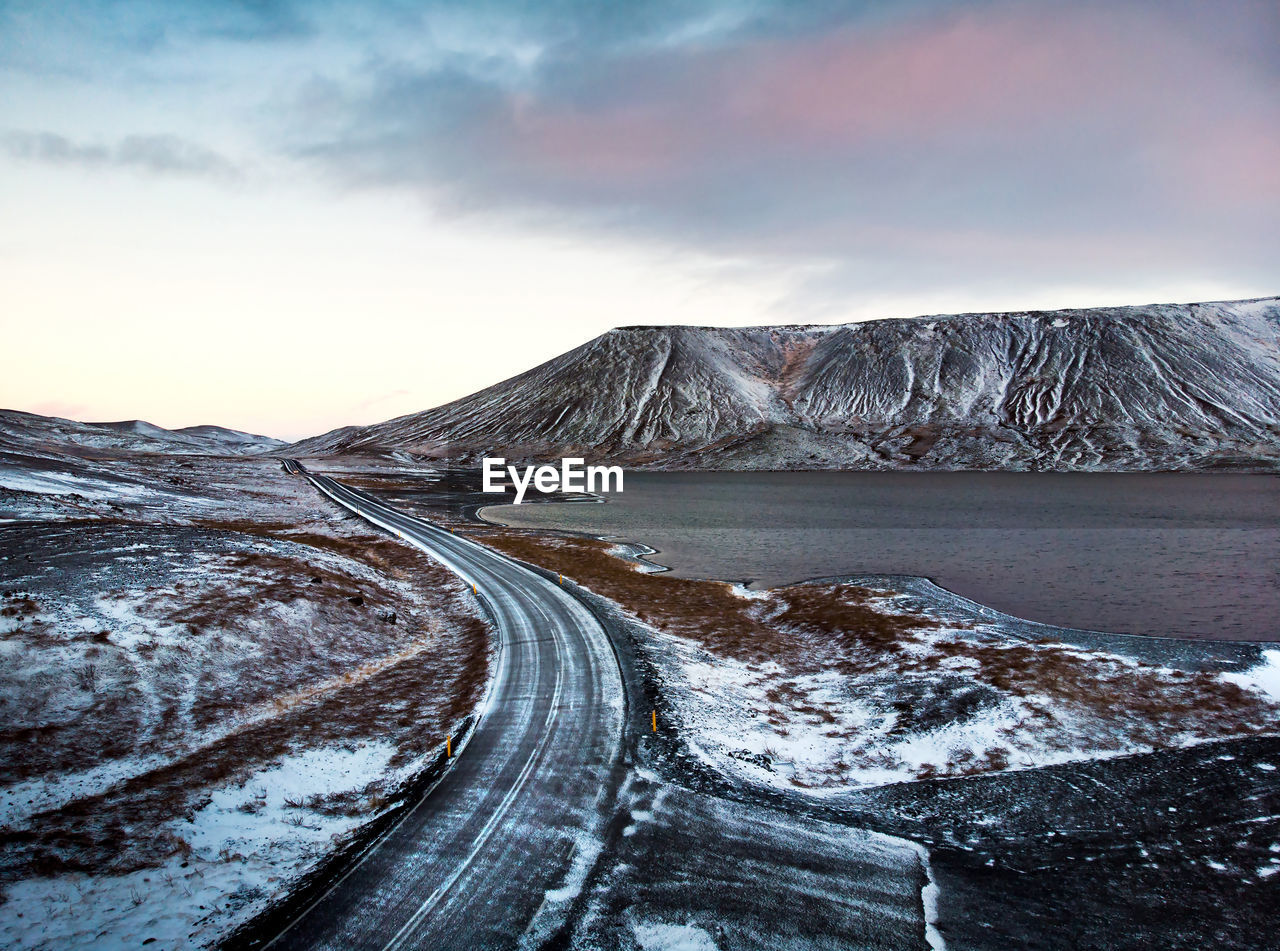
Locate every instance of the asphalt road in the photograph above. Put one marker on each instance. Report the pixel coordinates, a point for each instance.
(492, 854)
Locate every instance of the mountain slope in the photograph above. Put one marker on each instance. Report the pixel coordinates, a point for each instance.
(30, 433)
(1162, 386)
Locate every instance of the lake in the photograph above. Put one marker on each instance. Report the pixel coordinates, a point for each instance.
(1188, 555)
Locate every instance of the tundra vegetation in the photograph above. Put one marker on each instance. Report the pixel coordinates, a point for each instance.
(829, 687)
(206, 690)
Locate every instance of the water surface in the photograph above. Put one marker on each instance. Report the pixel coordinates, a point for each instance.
(1191, 555)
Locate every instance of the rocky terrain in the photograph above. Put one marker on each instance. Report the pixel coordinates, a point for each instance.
(1193, 386)
(28, 432)
(832, 686)
(213, 681)
(1052, 782)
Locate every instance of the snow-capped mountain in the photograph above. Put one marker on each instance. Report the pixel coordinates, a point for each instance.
(1162, 386)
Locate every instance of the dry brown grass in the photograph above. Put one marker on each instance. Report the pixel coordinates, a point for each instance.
(383, 485)
(252, 631)
(359, 543)
(809, 629)
(782, 628)
(266, 651)
(412, 703)
(20, 606)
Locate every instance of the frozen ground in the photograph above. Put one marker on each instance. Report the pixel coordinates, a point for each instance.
(829, 688)
(1116, 821)
(943, 702)
(242, 846)
(210, 681)
(692, 870)
(1171, 849)
(1133, 801)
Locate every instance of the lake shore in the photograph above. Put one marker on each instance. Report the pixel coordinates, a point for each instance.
(1154, 554)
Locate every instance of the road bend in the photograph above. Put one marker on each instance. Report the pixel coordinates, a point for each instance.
(496, 845)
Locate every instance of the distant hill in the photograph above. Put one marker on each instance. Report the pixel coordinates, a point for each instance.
(30, 433)
(1164, 386)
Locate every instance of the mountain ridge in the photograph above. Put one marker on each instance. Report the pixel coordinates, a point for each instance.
(1164, 386)
(30, 432)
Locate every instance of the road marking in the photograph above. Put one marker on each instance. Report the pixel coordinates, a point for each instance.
(505, 805)
(483, 838)
(373, 510)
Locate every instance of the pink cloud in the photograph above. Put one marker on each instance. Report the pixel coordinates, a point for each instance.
(1235, 162)
(1001, 74)
(621, 144)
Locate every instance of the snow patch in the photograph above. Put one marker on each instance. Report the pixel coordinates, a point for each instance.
(1264, 678)
(664, 936)
(929, 898)
(59, 483)
(747, 594)
(247, 844)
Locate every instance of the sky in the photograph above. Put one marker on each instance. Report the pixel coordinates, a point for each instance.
(287, 217)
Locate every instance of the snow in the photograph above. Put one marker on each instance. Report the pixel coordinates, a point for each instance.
(975, 379)
(639, 816)
(225, 826)
(731, 723)
(932, 707)
(1264, 678)
(44, 482)
(144, 644)
(664, 936)
(929, 899)
(156, 631)
(19, 801)
(34, 433)
(246, 845)
(586, 851)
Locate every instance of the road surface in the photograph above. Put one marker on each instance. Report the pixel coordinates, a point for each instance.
(496, 847)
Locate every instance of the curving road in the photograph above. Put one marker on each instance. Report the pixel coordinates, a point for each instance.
(493, 853)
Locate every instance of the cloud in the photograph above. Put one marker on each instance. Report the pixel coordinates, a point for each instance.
(872, 142)
(142, 26)
(1014, 138)
(150, 154)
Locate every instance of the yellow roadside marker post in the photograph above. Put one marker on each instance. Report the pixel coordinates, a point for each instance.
(655, 721)
(448, 747)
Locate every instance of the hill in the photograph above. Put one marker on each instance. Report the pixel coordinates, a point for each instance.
(42, 435)
(1165, 386)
